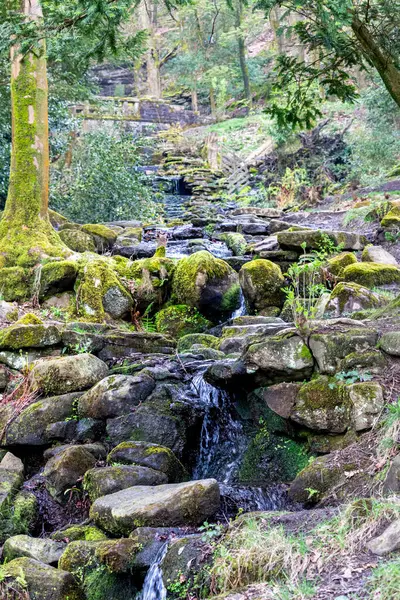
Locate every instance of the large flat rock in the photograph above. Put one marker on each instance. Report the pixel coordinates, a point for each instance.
(167, 505)
(315, 239)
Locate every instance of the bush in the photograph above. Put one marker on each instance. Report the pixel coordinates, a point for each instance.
(103, 182)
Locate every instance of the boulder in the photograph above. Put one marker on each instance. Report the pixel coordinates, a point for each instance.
(71, 533)
(207, 283)
(10, 481)
(202, 339)
(103, 237)
(55, 277)
(14, 284)
(42, 549)
(118, 556)
(107, 480)
(186, 559)
(262, 282)
(235, 242)
(64, 470)
(367, 403)
(338, 263)
(387, 542)
(10, 462)
(392, 481)
(390, 343)
(371, 275)
(40, 581)
(29, 336)
(165, 505)
(377, 254)
(330, 348)
(115, 395)
(158, 458)
(77, 240)
(67, 373)
(348, 297)
(315, 239)
(281, 398)
(180, 320)
(392, 218)
(8, 311)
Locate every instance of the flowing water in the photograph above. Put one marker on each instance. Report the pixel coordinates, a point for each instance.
(242, 310)
(153, 587)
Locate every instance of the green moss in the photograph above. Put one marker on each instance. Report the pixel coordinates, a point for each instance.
(160, 252)
(77, 240)
(321, 392)
(262, 282)
(29, 319)
(208, 341)
(57, 276)
(19, 336)
(180, 320)
(235, 242)
(372, 275)
(231, 298)
(337, 264)
(392, 218)
(15, 284)
(88, 533)
(101, 231)
(19, 516)
(305, 353)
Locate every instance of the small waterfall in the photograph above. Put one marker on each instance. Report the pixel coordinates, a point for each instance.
(242, 310)
(222, 441)
(153, 587)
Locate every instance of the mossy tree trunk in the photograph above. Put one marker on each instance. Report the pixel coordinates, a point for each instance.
(26, 235)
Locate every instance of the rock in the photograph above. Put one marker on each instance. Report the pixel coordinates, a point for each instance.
(329, 349)
(377, 254)
(338, 263)
(64, 470)
(203, 339)
(12, 463)
(367, 401)
(315, 239)
(158, 458)
(165, 505)
(14, 284)
(207, 283)
(96, 449)
(115, 396)
(41, 581)
(136, 250)
(29, 336)
(8, 311)
(371, 274)
(121, 345)
(44, 550)
(107, 480)
(55, 277)
(281, 398)
(225, 372)
(61, 301)
(262, 282)
(268, 213)
(118, 556)
(258, 228)
(71, 533)
(350, 297)
(68, 373)
(10, 481)
(387, 542)
(30, 426)
(77, 240)
(390, 343)
(116, 302)
(104, 237)
(235, 242)
(185, 559)
(19, 361)
(180, 320)
(392, 481)
(392, 218)
(280, 356)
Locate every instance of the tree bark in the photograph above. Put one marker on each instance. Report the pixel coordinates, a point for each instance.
(195, 102)
(148, 20)
(242, 52)
(378, 57)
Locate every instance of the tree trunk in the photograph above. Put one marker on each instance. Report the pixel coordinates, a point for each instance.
(379, 58)
(26, 234)
(195, 102)
(213, 103)
(242, 52)
(148, 20)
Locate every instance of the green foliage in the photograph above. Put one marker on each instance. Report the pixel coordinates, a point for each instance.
(385, 580)
(349, 377)
(103, 183)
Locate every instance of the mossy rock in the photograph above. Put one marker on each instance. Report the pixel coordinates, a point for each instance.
(203, 339)
(104, 237)
(87, 533)
(337, 264)
(19, 336)
(19, 516)
(107, 480)
(77, 240)
(349, 297)
(15, 284)
(179, 320)
(56, 277)
(29, 319)
(207, 283)
(58, 220)
(235, 242)
(372, 275)
(392, 218)
(262, 281)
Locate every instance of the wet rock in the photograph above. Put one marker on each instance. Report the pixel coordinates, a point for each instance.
(377, 254)
(262, 282)
(203, 339)
(107, 480)
(136, 250)
(41, 581)
(68, 373)
(115, 395)
(185, 558)
(166, 505)
(29, 336)
(387, 542)
(350, 297)
(118, 556)
(124, 345)
(330, 348)
(258, 228)
(64, 470)
(225, 372)
(44, 550)
(314, 239)
(158, 458)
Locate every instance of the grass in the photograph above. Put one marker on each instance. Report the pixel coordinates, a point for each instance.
(385, 581)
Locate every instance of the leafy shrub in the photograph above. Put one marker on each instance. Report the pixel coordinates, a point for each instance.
(103, 182)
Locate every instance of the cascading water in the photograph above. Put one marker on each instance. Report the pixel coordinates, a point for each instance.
(242, 310)
(153, 587)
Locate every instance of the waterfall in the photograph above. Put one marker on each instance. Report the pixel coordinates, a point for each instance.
(153, 587)
(242, 310)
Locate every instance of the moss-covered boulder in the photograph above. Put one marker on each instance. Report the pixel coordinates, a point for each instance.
(377, 254)
(64, 470)
(371, 274)
(338, 263)
(41, 549)
(179, 320)
(66, 374)
(104, 237)
(107, 480)
(162, 506)
(392, 218)
(157, 458)
(56, 277)
(331, 348)
(349, 297)
(29, 336)
(367, 404)
(99, 291)
(317, 239)
(19, 515)
(186, 561)
(262, 282)
(117, 556)
(207, 283)
(77, 240)
(202, 339)
(71, 533)
(390, 343)
(15, 284)
(235, 242)
(24, 576)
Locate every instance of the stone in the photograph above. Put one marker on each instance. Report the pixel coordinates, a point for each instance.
(390, 343)
(62, 301)
(387, 542)
(392, 481)
(8, 311)
(281, 398)
(348, 297)
(185, 558)
(42, 549)
(262, 282)
(72, 533)
(268, 213)
(367, 401)
(338, 263)
(12, 463)
(41, 582)
(117, 556)
(10, 481)
(158, 458)
(77, 240)
(315, 239)
(29, 336)
(107, 480)
(136, 250)
(330, 348)
(280, 356)
(180, 320)
(225, 372)
(166, 505)
(117, 303)
(115, 396)
(67, 373)
(55, 277)
(188, 341)
(104, 237)
(64, 470)
(377, 254)
(371, 275)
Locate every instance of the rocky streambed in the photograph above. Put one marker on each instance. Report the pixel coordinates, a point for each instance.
(152, 390)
